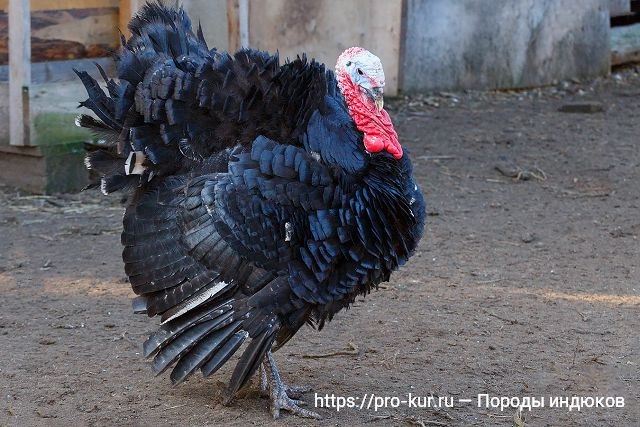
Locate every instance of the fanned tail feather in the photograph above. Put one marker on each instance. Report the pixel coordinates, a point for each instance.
(206, 338)
(202, 352)
(221, 356)
(179, 103)
(250, 361)
(161, 32)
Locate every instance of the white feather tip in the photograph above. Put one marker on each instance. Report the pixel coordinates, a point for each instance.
(103, 187)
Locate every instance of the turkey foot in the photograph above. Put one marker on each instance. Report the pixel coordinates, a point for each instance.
(294, 392)
(283, 396)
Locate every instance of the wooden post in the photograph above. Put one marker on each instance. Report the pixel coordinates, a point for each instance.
(384, 30)
(128, 8)
(243, 22)
(19, 71)
(402, 51)
(233, 23)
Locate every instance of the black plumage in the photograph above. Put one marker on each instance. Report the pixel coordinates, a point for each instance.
(253, 207)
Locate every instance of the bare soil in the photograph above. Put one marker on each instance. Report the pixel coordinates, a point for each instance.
(524, 285)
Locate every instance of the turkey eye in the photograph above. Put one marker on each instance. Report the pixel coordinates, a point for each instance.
(360, 71)
(348, 63)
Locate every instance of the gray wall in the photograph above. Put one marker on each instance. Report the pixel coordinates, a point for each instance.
(485, 44)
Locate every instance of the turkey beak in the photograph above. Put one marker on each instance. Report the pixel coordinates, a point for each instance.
(378, 97)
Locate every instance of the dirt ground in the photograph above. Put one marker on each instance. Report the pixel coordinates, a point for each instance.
(524, 285)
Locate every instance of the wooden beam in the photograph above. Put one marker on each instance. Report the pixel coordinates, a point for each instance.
(64, 4)
(383, 34)
(233, 23)
(243, 22)
(70, 34)
(625, 45)
(60, 71)
(402, 49)
(128, 8)
(323, 29)
(619, 7)
(19, 71)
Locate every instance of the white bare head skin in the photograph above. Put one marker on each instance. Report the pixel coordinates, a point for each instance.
(361, 82)
(364, 71)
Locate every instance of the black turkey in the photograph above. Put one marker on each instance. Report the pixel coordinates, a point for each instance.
(260, 196)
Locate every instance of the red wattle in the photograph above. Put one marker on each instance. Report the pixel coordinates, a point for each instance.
(373, 143)
(378, 130)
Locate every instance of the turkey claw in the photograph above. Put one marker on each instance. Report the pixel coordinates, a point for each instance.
(280, 400)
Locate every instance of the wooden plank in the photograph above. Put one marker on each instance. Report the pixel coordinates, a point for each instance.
(32, 151)
(383, 36)
(625, 45)
(60, 71)
(233, 24)
(19, 71)
(67, 34)
(14, 161)
(48, 172)
(212, 14)
(63, 4)
(324, 28)
(619, 7)
(243, 22)
(128, 9)
(402, 50)
(124, 15)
